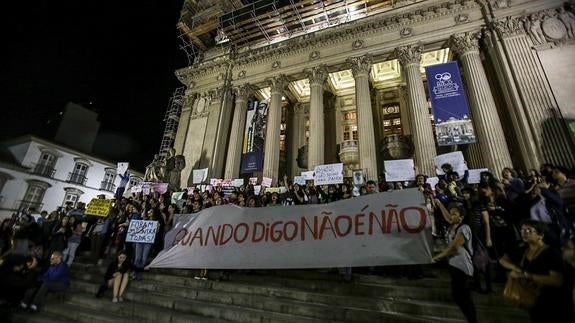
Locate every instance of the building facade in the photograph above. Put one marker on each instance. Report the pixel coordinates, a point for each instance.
(354, 91)
(45, 175)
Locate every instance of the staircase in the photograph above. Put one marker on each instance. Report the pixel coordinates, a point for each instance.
(278, 296)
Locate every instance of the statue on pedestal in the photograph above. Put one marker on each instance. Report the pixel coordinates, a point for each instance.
(173, 169)
(155, 170)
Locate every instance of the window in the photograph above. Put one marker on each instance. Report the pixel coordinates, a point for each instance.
(349, 116)
(108, 182)
(350, 132)
(72, 195)
(34, 195)
(78, 175)
(45, 165)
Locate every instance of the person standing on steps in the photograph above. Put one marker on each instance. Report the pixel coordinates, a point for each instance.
(458, 254)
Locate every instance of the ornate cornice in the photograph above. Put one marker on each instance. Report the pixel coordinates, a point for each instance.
(360, 65)
(278, 83)
(410, 54)
(355, 30)
(509, 26)
(317, 74)
(463, 43)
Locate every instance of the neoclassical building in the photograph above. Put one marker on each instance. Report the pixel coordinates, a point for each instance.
(344, 82)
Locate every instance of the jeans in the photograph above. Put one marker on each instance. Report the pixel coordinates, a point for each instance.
(36, 295)
(70, 253)
(141, 254)
(461, 294)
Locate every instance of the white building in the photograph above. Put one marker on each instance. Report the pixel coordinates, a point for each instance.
(45, 175)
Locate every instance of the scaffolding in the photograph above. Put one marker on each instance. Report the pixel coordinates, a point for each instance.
(172, 119)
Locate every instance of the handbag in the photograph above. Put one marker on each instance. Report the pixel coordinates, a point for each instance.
(522, 292)
(480, 258)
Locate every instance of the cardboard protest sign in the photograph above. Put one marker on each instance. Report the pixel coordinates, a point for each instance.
(266, 181)
(328, 174)
(308, 175)
(475, 175)
(98, 207)
(122, 168)
(300, 180)
(455, 159)
(199, 175)
(238, 182)
(142, 231)
(399, 170)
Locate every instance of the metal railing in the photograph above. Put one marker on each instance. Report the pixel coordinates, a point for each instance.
(44, 170)
(107, 186)
(77, 178)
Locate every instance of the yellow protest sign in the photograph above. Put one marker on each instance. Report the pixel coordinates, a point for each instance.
(98, 207)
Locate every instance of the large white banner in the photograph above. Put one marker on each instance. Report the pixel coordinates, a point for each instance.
(399, 170)
(390, 228)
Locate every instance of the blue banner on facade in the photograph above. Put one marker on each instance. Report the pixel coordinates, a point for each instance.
(253, 145)
(453, 124)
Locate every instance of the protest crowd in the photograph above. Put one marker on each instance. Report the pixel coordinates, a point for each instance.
(517, 225)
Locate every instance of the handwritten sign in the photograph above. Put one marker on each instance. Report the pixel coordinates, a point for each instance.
(161, 188)
(328, 174)
(475, 175)
(142, 231)
(307, 175)
(254, 180)
(176, 196)
(455, 159)
(300, 180)
(199, 175)
(122, 168)
(432, 181)
(238, 182)
(399, 170)
(98, 207)
(266, 181)
(191, 190)
(272, 189)
(257, 189)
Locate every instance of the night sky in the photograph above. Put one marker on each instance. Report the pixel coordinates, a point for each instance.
(115, 57)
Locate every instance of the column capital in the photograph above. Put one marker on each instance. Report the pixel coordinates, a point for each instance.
(244, 91)
(359, 65)
(278, 83)
(216, 92)
(463, 43)
(317, 74)
(409, 54)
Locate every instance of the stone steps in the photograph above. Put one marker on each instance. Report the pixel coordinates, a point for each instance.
(372, 305)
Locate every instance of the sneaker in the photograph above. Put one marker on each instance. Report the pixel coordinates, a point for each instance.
(204, 278)
(115, 300)
(23, 306)
(33, 308)
(120, 299)
(197, 277)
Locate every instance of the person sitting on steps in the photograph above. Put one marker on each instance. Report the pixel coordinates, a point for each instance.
(117, 277)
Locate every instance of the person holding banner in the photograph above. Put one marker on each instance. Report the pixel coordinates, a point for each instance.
(458, 254)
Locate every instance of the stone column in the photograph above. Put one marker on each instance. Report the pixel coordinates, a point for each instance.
(272, 144)
(524, 141)
(404, 110)
(316, 152)
(222, 132)
(420, 123)
(237, 132)
(295, 134)
(360, 67)
(490, 136)
(543, 115)
(184, 122)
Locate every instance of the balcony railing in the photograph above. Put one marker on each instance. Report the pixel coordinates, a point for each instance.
(24, 205)
(107, 186)
(44, 170)
(77, 178)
